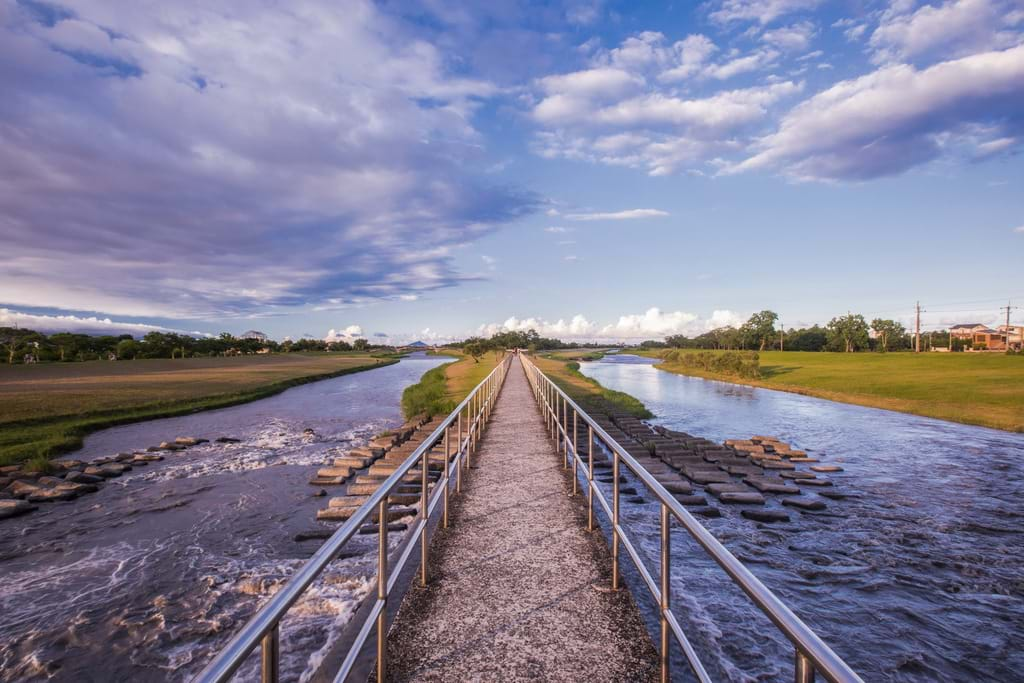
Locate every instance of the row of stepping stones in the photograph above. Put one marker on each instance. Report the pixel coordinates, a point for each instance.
(21, 489)
(365, 468)
(739, 471)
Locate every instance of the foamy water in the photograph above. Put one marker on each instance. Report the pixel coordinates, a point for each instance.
(147, 578)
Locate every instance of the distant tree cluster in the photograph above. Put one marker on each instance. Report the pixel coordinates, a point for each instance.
(500, 341)
(847, 333)
(21, 345)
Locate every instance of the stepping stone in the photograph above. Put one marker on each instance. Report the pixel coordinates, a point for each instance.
(709, 512)
(771, 485)
(83, 478)
(327, 481)
(315, 534)
(637, 500)
(777, 465)
(826, 468)
(745, 498)
(765, 515)
(834, 495)
(744, 470)
(351, 462)
(813, 482)
(718, 489)
(804, 460)
(48, 495)
(804, 503)
(13, 508)
(227, 439)
(627, 491)
(690, 500)
(677, 486)
(797, 475)
(709, 477)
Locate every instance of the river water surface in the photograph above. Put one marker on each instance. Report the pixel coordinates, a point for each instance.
(917, 575)
(146, 578)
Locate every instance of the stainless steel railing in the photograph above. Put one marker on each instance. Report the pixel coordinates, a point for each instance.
(263, 628)
(811, 654)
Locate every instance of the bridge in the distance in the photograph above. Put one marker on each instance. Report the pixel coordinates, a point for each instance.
(515, 579)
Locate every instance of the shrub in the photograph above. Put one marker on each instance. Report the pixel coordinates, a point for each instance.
(428, 395)
(745, 364)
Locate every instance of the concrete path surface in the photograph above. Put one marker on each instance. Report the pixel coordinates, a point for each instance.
(518, 587)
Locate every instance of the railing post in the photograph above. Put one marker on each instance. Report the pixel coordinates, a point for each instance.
(458, 459)
(423, 511)
(666, 572)
(575, 453)
(590, 478)
(615, 520)
(270, 656)
(447, 483)
(382, 588)
(804, 670)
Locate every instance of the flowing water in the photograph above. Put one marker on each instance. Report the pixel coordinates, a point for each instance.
(146, 578)
(917, 575)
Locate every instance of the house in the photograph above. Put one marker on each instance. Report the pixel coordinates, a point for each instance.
(1014, 335)
(988, 339)
(966, 330)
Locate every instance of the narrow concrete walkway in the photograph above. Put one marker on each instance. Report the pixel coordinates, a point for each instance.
(518, 587)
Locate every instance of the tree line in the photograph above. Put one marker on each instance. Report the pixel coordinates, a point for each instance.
(846, 333)
(19, 345)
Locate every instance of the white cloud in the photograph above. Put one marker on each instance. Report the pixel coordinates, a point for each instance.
(557, 229)
(48, 324)
(1019, 228)
(740, 65)
(628, 214)
(896, 117)
(760, 11)
(346, 334)
(572, 257)
(651, 324)
(490, 262)
(693, 51)
(952, 29)
(795, 37)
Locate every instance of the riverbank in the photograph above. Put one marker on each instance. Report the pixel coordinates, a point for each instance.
(588, 392)
(48, 409)
(979, 389)
(441, 389)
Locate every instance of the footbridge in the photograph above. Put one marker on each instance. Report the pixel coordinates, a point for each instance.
(513, 567)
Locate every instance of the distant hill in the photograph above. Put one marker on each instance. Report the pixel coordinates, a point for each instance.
(418, 345)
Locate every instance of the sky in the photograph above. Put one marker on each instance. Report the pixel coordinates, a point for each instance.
(431, 170)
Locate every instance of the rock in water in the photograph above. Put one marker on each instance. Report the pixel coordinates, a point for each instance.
(13, 508)
(765, 515)
(804, 503)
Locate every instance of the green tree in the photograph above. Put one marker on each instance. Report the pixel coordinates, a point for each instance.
(848, 333)
(127, 349)
(361, 344)
(760, 328)
(887, 332)
(475, 348)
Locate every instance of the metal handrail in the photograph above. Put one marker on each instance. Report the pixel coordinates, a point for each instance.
(263, 627)
(811, 654)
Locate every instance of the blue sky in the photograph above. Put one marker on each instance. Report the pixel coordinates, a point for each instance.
(597, 170)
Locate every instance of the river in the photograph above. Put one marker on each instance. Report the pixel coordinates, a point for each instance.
(916, 575)
(146, 578)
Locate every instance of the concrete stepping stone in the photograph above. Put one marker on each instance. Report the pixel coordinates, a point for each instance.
(834, 495)
(813, 482)
(690, 500)
(710, 512)
(13, 508)
(804, 503)
(772, 485)
(327, 481)
(636, 500)
(765, 515)
(709, 476)
(826, 468)
(797, 475)
(678, 486)
(804, 460)
(717, 489)
(334, 472)
(744, 498)
(744, 470)
(351, 462)
(777, 465)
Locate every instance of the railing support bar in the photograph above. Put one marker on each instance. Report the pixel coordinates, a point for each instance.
(270, 656)
(666, 574)
(804, 670)
(382, 588)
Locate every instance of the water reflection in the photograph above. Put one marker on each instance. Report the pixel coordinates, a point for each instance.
(914, 576)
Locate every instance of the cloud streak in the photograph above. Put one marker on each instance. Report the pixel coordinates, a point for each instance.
(205, 163)
(626, 215)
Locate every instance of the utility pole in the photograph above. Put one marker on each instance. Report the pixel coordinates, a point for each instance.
(917, 329)
(1008, 307)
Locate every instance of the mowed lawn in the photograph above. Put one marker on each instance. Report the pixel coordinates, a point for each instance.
(45, 409)
(973, 388)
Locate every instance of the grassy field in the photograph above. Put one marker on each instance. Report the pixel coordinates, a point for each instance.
(46, 409)
(587, 392)
(441, 389)
(980, 389)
